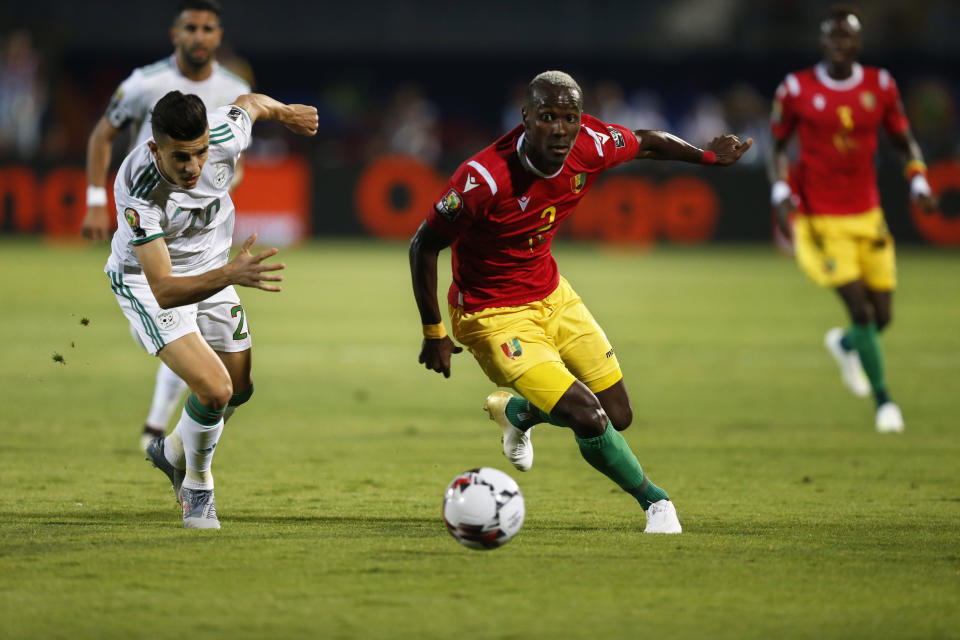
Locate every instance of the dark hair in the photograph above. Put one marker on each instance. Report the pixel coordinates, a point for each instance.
(179, 116)
(839, 12)
(198, 5)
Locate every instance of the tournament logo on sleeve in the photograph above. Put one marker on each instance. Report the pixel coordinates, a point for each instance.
(512, 348)
(133, 219)
(450, 205)
(777, 114)
(577, 182)
(618, 140)
(234, 114)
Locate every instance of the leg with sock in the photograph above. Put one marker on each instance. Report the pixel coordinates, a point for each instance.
(168, 392)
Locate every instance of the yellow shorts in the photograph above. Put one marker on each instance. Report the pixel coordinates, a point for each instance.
(539, 348)
(837, 250)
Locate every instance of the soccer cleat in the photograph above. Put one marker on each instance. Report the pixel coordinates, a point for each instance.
(889, 418)
(155, 455)
(662, 518)
(516, 443)
(849, 362)
(149, 433)
(199, 509)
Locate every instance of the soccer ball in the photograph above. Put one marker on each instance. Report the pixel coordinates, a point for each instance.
(483, 508)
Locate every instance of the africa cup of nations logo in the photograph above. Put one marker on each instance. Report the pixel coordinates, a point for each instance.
(512, 348)
(133, 219)
(450, 205)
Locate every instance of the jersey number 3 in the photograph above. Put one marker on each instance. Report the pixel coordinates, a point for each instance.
(538, 237)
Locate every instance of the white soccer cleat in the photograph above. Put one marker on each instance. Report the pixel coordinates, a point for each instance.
(662, 518)
(199, 509)
(889, 418)
(849, 362)
(516, 443)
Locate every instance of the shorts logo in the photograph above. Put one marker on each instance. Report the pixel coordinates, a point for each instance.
(450, 205)
(577, 182)
(512, 348)
(234, 113)
(168, 319)
(133, 219)
(618, 140)
(220, 179)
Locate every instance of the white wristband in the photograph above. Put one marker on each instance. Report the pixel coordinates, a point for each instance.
(779, 192)
(96, 196)
(919, 186)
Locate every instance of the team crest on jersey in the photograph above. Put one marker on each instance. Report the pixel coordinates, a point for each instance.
(577, 182)
(512, 348)
(450, 205)
(868, 100)
(133, 219)
(223, 172)
(618, 140)
(168, 319)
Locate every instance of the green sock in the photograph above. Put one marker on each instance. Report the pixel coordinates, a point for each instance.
(524, 415)
(611, 455)
(865, 340)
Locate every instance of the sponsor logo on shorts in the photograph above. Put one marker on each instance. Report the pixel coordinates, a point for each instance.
(577, 182)
(512, 348)
(618, 140)
(450, 205)
(220, 180)
(234, 114)
(167, 319)
(133, 219)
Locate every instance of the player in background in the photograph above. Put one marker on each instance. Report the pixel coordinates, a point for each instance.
(840, 238)
(169, 271)
(196, 34)
(522, 321)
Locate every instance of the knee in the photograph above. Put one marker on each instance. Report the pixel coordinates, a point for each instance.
(620, 417)
(883, 319)
(215, 393)
(860, 314)
(587, 421)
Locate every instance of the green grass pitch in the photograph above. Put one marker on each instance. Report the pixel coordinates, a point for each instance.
(799, 520)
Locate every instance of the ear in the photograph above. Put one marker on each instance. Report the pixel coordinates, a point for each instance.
(154, 149)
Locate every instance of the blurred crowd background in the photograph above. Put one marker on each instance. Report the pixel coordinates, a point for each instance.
(440, 80)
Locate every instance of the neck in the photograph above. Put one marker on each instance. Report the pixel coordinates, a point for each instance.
(839, 70)
(530, 166)
(193, 73)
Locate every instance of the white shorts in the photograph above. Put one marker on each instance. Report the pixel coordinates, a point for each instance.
(220, 319)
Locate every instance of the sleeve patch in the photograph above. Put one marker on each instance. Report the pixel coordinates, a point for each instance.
(133, 219)
(234, 114)
(450, 205)
(618, 140)
(116, 114)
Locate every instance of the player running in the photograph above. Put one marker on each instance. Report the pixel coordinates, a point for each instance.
(841, 240)
(522, 321)
(196, 34)
(168, 268)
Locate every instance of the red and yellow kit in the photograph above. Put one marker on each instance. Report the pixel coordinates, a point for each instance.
(526, 327)
(502, 217)
(836, 123)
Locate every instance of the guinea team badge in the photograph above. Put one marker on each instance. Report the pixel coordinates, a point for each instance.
(167, 319)
(577, 182)
(512, 348)
(450, 205)
(133, 219)
(220, 179)
(868, 100)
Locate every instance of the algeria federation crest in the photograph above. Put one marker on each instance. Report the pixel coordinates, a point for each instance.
(167, 319)
(512, 348)
(220, 178)
(577, 182)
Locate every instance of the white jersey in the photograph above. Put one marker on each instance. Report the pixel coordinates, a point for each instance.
(197, 223)
(134, 100)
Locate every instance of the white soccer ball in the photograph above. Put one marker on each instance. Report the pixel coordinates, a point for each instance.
(483, 508)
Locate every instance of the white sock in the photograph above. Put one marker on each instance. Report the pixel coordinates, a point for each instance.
(199, 443)
(173, 448)
(167, 397)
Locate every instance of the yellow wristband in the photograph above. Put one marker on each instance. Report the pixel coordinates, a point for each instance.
(434, 331)
(913, 168)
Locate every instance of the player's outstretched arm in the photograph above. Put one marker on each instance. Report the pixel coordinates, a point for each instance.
(300, 118)
(660, 145)
(437, 347)
(781, 195)
(245, 269)
(96, 222)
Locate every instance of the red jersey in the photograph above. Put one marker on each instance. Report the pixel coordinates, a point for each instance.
(502, 216)
(836, 122)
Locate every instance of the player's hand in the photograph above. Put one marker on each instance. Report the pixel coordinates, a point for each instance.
(302, 119)
(96, 224)
(435, 354)
(248, 270)
(728, 148)
(927, 202)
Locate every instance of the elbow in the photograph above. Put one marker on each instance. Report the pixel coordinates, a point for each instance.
(163, 296)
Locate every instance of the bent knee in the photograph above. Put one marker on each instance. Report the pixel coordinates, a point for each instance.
(621, 418)
(215, 394)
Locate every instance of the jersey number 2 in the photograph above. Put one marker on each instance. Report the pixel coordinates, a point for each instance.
(239, 334)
